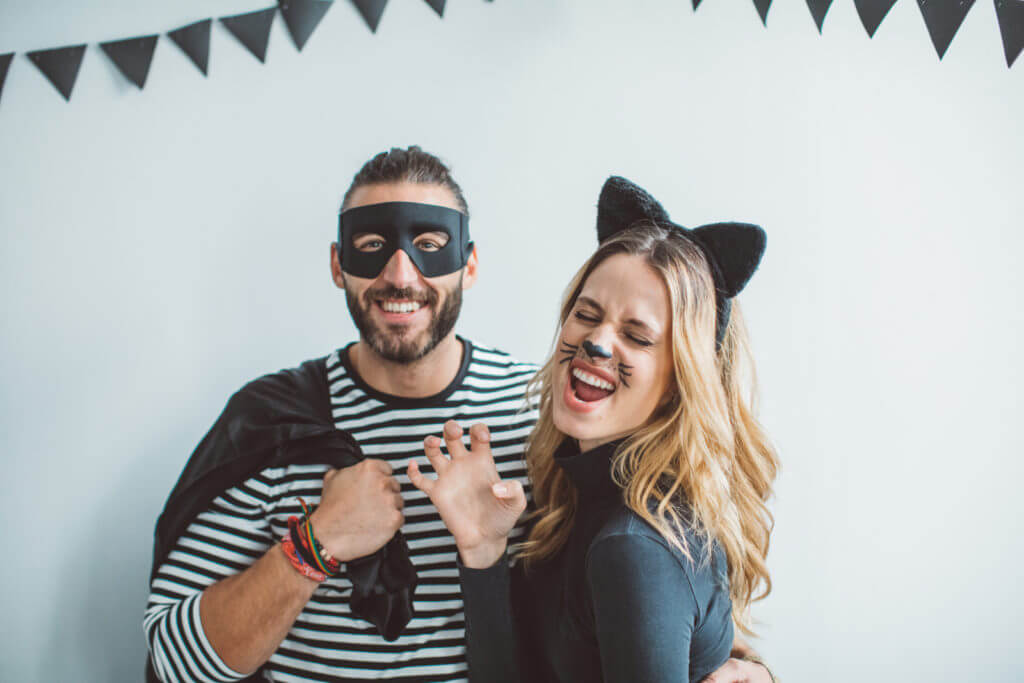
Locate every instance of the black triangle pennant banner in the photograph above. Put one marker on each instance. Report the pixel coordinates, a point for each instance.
(132, 57)
(943, 18)
(438, 6)
(1011, 26)
(302, 16)
(194, 41)
(871, 13)
(252, 30)
(371, 11)
(60, 66)
(5, 63)
(762, 9)
(819, 8)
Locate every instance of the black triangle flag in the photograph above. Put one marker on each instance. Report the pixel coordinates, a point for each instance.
(252, 30)
(1011, 26)
(194, 41)
(438, 6)
(371, 11)
(872, 12)
(943, 18)
(5, 63)
(762, 9)
(132, 57)
(60, 66)
(819, 8)
(302, 16)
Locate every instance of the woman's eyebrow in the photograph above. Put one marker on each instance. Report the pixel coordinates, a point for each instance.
(587, 301)
(635, 322)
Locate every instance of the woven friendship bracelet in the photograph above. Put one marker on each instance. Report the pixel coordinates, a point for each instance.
(300, 565)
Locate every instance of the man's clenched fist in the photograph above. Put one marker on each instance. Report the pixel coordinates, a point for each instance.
(360, 510)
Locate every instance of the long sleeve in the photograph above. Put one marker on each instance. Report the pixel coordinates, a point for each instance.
(222, 541)
(645, 610)
(492, 645)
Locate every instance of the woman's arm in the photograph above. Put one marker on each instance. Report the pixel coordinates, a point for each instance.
(492, 645)
(479, 509)
(644, 610)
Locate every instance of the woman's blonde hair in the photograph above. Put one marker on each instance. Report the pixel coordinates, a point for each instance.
(702, 446)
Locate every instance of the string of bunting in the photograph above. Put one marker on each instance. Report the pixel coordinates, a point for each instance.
(133, 56)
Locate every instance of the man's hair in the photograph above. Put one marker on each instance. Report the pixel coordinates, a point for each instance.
(411, 165)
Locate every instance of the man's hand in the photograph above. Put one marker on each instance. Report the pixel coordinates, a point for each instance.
(739, 671)
(478, 508)
(360, 510)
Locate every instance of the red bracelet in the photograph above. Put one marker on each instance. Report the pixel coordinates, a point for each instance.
(309, 572)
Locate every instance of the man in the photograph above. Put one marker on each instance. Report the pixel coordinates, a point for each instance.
(227, 599)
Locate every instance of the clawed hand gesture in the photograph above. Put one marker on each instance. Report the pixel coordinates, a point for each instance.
(477, 506)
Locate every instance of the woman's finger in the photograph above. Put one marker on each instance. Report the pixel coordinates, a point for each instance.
(420, 480)
(453, 439)
(480, 440)
(511, 494)
(432, 447)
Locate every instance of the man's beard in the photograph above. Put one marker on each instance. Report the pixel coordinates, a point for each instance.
(387, 340)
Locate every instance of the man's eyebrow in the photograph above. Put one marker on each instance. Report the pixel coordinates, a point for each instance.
(635, 322)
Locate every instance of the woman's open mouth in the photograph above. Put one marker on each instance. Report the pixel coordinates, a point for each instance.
(587, 386)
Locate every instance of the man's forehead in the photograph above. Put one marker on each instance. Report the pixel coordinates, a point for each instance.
(420, 193)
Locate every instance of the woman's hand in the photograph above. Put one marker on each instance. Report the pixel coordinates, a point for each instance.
(478, 508)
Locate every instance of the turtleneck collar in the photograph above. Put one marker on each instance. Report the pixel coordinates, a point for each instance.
(590, 471)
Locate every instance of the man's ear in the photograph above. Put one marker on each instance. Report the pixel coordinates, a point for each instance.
(336, 275)
(469, 276)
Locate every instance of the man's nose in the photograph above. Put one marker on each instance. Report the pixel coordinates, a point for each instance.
(400, 271)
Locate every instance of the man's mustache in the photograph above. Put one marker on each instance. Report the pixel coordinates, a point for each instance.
(428, 297)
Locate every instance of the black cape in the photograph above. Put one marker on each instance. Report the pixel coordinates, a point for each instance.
(274, 421)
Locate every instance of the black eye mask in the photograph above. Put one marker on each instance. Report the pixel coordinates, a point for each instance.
(399, 223)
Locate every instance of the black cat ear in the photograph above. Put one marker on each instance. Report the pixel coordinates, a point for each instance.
(736, 250)
(622, 204)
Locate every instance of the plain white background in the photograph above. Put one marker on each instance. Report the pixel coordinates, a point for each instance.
(162, 247)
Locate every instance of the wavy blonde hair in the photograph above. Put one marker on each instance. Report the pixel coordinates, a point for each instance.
(702, 446)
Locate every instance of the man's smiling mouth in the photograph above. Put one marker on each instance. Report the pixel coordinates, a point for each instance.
(399, 306)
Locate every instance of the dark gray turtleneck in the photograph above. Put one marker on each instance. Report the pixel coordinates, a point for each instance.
(616, 604)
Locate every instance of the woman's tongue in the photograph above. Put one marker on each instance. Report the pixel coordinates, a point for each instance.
(588, 393)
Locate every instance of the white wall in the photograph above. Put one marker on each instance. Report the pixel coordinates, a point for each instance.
(162, 247)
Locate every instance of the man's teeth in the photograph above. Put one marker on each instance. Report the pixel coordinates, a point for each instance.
(591, 380)
(400, 306)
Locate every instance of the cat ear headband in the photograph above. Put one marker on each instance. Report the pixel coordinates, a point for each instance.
(734, 250)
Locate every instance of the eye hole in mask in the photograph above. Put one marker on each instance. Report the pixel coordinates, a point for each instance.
(399, 224)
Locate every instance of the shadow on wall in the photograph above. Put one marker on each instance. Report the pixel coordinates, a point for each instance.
(97, 633)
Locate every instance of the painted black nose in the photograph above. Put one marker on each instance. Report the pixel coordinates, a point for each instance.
(596, 350)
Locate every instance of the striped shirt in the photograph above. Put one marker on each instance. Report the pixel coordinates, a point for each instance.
(326, 642)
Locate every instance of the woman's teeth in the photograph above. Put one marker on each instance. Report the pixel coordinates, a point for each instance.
(400, 306)
(593, 381)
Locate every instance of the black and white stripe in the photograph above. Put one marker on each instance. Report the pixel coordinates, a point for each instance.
(326, 642)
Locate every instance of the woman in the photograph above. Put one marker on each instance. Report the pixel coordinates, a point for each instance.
(649, 471)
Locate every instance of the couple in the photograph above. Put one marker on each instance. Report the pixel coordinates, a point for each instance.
(645, 546)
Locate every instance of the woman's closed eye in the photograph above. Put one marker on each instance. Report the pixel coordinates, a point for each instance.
(586, 317)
